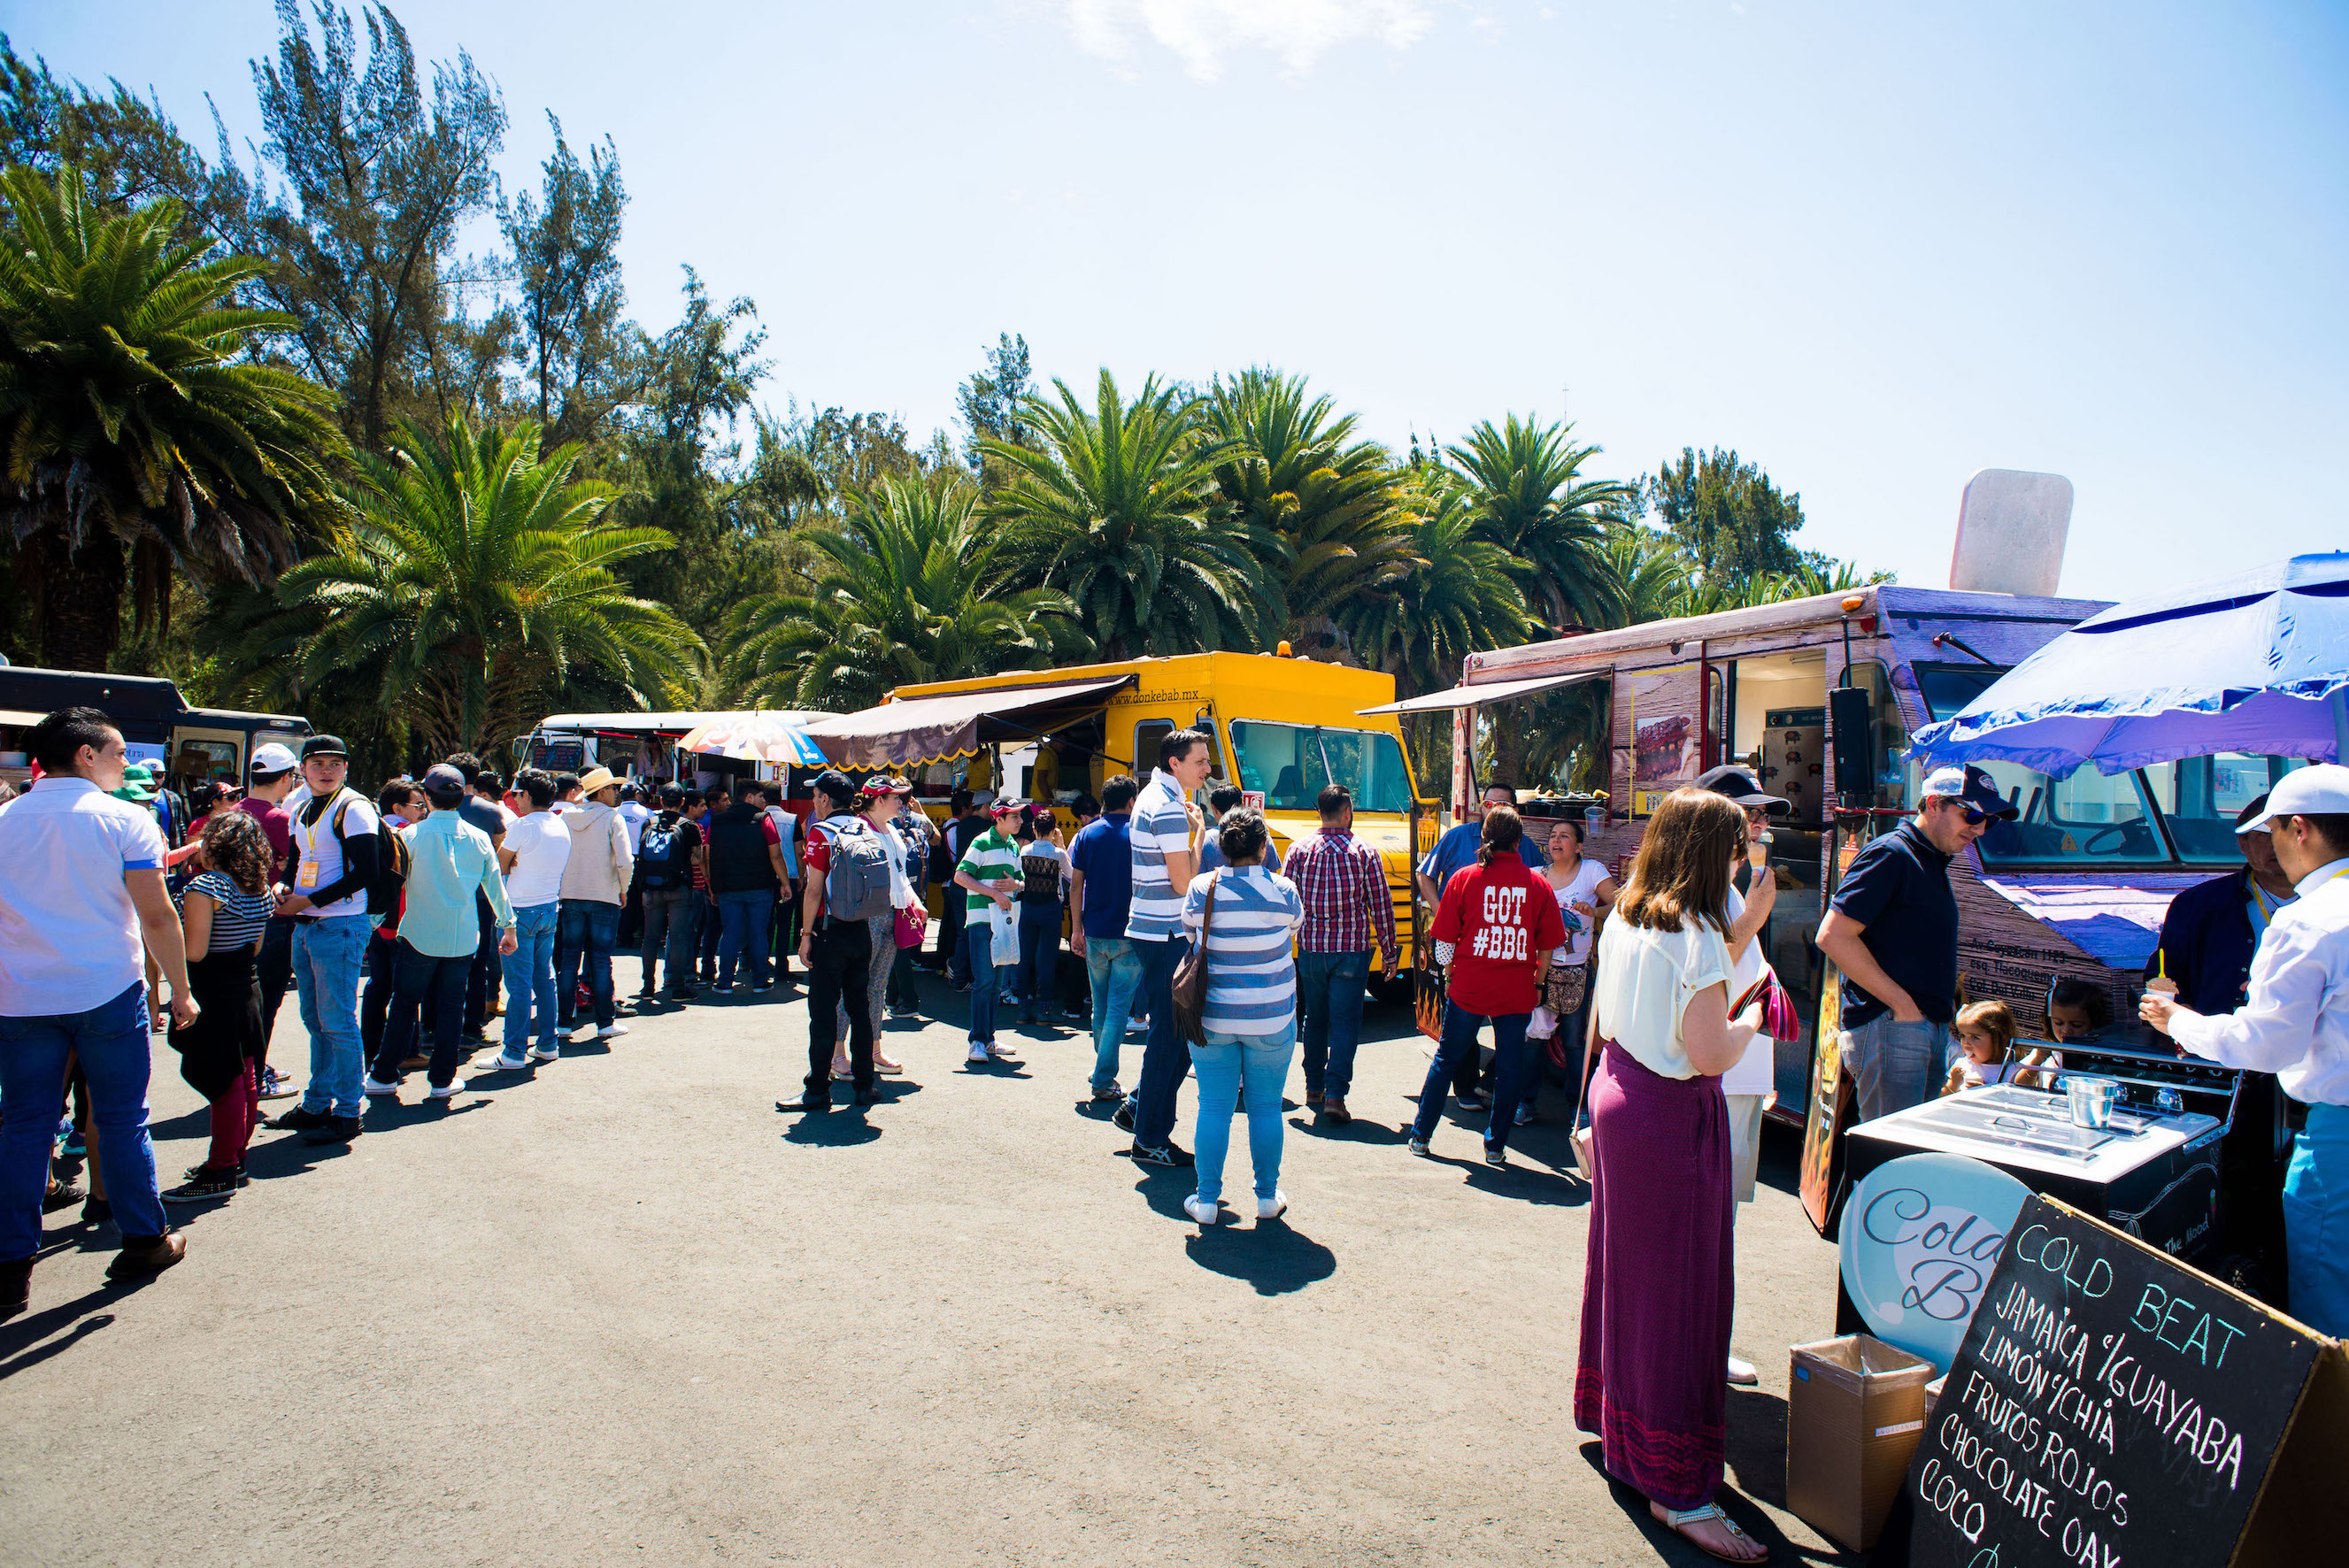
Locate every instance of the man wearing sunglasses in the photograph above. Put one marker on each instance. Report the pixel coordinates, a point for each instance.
(1892, 930)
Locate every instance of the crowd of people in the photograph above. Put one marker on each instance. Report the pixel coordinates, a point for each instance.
(407, 922)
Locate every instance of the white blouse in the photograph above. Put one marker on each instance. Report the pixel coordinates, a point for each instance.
(1645, 981)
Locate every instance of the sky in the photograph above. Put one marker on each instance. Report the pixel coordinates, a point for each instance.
(1873, 248)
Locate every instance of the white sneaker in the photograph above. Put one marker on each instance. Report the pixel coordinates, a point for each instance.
(978, 1053)
(444, 1091)
(369, 1084)
(611, 1031)
(535, 1055)
(1741, 1373)
(1273, 1207)
(1199, 1209)
(504, 1063)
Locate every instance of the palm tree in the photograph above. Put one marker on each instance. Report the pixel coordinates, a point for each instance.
(1534, 502)
(1459, 596)
(476, 587)
(911, 589)
(1111, 505)
(138, 430)
(1334, 504)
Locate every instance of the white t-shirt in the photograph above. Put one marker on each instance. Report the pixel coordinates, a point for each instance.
(1757, 1071)
(1644, 984)
(318, 853)
(69, 934)
(634, 814)
(1583, 888)
(541, 847)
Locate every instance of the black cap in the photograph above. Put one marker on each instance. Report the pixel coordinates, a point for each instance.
(672, 795)
(834, 783)
(325, 745)
(1736, 784)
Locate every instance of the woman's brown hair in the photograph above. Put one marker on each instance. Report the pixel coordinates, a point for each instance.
(1684, 863)
(1503, 829)
(234, 847)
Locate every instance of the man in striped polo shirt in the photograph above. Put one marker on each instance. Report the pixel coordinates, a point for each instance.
(1166, 827)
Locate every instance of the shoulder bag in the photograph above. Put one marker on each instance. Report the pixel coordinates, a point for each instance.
(1190, 987)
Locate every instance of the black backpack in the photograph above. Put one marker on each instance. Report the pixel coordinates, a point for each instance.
(662, 859)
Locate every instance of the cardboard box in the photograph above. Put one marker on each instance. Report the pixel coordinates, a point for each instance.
(1854, 1412)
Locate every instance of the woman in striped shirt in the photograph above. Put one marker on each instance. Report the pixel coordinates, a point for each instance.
(1250, 1018)
(223, 913)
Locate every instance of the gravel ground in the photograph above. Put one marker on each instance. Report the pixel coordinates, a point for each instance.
(620, 1310)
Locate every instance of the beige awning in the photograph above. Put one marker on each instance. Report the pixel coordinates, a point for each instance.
(18, 716)
(931, 729)
(1490, 691)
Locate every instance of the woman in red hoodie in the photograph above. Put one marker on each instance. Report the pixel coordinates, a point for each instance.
(1495, 928)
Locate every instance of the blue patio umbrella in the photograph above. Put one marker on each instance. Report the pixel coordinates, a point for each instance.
(2257, 662)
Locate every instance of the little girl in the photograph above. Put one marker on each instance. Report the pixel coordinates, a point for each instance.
(1985, 1032)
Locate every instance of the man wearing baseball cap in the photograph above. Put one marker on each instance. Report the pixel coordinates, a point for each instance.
(325, 893)
(2295, 1024)
(1892, 930)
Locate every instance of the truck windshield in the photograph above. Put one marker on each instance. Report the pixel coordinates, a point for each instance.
(1291, 763)
(2181, 810)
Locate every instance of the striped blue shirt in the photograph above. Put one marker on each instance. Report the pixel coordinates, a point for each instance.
(1251, 966)
(1160, 826)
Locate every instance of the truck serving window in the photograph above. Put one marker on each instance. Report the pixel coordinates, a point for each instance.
(1291, 763)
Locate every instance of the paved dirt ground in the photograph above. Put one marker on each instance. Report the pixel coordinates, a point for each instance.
(621, 1311)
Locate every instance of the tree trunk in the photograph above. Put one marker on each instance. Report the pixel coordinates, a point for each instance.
(81, 609)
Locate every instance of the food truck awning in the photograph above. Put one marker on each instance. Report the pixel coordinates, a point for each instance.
(1488, 691)
(931, 729)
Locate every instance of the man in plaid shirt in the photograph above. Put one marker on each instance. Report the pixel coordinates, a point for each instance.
(1343, 884)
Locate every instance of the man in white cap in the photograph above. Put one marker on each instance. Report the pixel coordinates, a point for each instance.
(2295, 1024)
(1892, 930)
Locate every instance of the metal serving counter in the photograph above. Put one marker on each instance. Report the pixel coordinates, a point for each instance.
(2153, 1175)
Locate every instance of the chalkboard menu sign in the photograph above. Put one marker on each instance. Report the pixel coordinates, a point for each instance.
(2109, 1406)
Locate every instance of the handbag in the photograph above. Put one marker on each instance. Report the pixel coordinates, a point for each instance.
(912, 922)
(1190, 987)
(1779, 1021)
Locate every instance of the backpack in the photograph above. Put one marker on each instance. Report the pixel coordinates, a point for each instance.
(392, 859)
(661, 859)
(857, 886)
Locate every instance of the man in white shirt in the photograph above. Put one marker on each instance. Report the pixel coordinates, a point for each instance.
(536, 850)
(2296, 1025)
(334, 860)
(82, 903)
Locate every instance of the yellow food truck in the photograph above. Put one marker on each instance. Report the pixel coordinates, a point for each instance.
(1280, 726)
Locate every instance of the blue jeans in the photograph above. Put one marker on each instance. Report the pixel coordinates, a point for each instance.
(530, 978)
(1040, 960)
(1114, 970)
(1513, 1062)
(2315, 1221)
(1164, 1052)
(585, 932)
(326, 953)
(986, 980)
(111, 1043)
(1227, 1065)
(1329, 991)
(1895, 1066)
(745, 913)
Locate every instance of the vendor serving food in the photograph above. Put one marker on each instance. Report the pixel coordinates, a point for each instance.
(2295, 1022)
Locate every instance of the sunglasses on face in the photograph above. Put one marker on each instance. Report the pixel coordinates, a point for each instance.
(1973, 819)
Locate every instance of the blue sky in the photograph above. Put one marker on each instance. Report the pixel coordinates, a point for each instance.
(1874, 248)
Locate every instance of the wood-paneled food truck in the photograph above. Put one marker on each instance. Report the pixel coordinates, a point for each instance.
(1280, 728)
(1819, 696)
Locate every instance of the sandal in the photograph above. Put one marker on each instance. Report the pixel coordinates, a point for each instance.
(1678, 1519)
